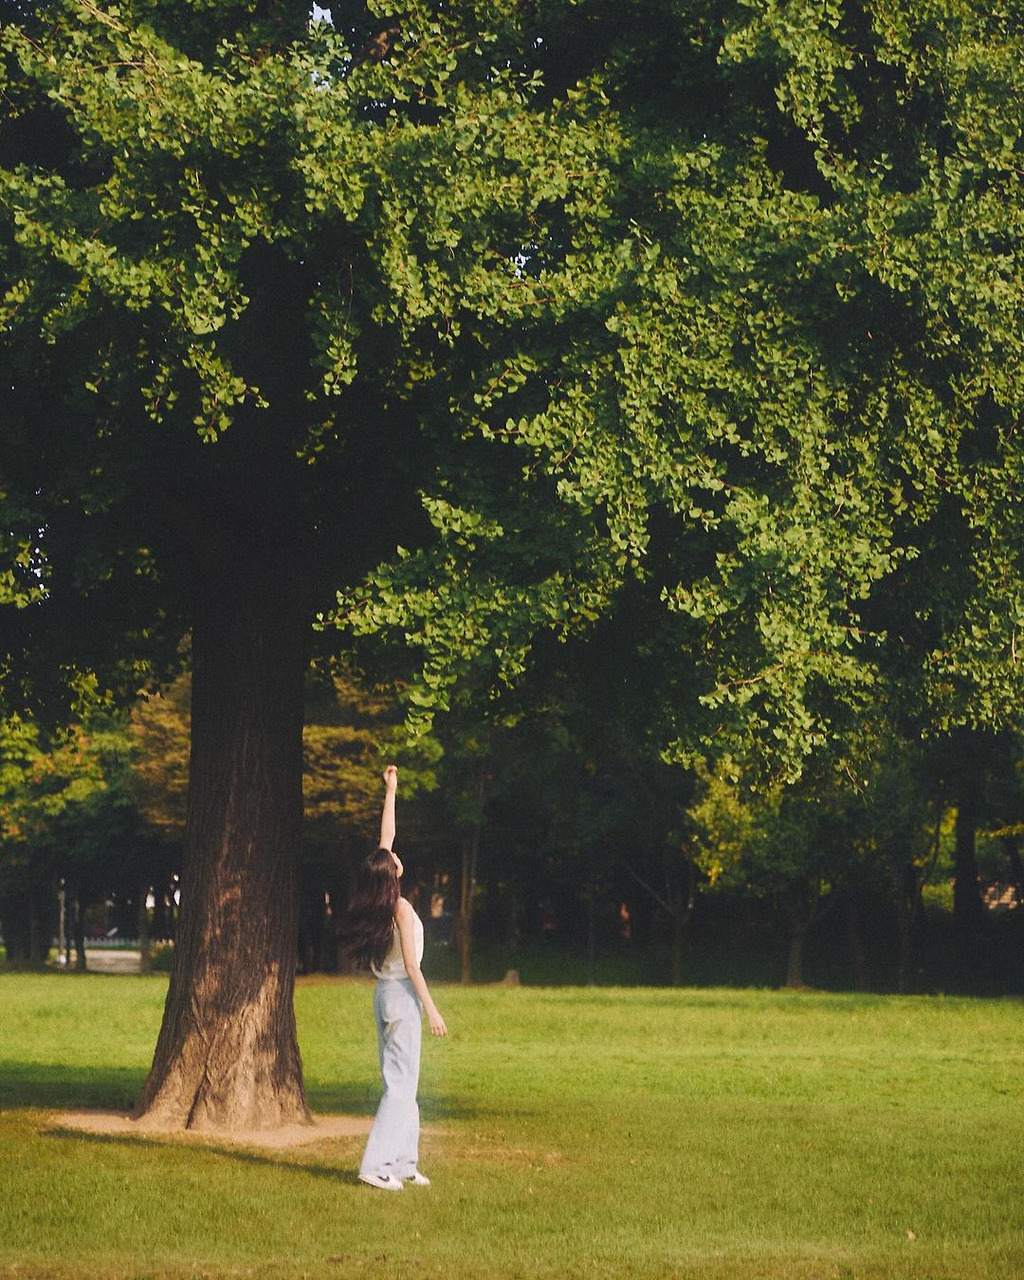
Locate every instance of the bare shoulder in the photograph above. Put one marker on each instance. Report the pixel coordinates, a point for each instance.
(404, 910)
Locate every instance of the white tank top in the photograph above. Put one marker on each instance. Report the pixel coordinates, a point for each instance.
(394, 965)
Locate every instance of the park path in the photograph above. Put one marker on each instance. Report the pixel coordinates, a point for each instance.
(98, 960)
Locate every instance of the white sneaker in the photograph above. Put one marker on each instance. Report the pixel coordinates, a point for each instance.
(383, 1181)
(418, 1179)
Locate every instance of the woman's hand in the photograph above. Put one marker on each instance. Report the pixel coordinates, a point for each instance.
(391, 777)
(437, 1023)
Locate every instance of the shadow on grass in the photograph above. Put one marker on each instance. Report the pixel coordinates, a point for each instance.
(290, 1159)
(52, 1086)
(361, 1098)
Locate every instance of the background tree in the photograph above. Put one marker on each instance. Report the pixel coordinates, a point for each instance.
(67, 818)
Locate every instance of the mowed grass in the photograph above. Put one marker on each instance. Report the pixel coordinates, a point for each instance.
(572, 1132)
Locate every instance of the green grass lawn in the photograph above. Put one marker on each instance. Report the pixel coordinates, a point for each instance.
(576, 1132)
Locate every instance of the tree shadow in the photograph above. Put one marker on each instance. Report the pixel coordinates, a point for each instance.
(55, 1086)
(289, 1158)
(299, 1159)
(61, 1086)
(361, 1098)
(51, 1086)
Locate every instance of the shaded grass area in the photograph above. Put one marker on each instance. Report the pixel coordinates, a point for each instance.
(576, 1132)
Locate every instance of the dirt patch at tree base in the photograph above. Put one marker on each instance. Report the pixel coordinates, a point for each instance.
(119, 1124)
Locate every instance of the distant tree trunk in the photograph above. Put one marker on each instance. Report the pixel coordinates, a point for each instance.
(467, 891)
(29, 918)
(62, 925)
(855, 941)
(802, 910)
(908, 909)
(68, 908)
(227, 1055)
(145, 964)
(14, 916)
(159, 930)
(683, 898)
(967, 908)
(1011, 844)
(315, 954)
(467, 884)
(591, 928)
(78, 927)
(510, 911)
(34, 941)
(677, 902)
(795, 959)
(39, 925)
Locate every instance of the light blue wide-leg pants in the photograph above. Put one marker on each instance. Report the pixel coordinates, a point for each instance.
(393, 1145)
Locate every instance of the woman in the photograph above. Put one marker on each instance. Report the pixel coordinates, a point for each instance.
(385, 935)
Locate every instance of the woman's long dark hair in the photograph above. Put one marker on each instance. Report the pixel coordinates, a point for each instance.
(370, 919)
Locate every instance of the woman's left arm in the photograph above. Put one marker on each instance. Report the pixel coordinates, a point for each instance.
(406, 931)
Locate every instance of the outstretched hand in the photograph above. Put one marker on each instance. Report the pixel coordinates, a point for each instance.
(391, 777)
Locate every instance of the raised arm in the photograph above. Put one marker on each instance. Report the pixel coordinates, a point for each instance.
(387, 818)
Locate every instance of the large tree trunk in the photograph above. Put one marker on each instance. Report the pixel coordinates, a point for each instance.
(227, 1055)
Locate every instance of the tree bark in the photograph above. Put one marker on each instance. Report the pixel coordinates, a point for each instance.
(227, 1056)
